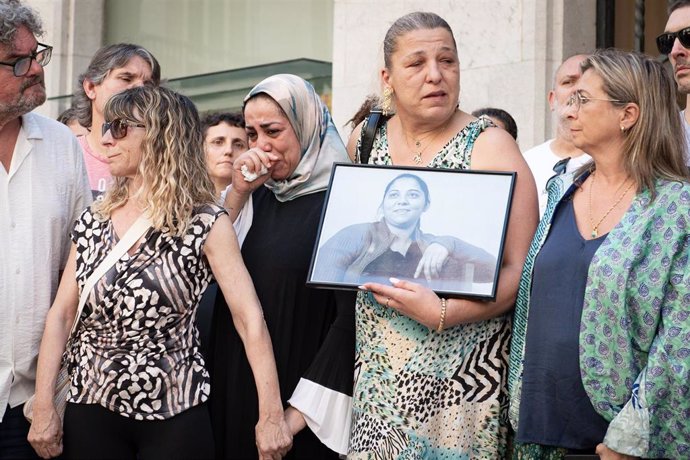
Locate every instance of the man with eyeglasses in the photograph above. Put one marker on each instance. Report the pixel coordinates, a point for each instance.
(559, 152)
(113, 69)
(675, 42)
(43, 189)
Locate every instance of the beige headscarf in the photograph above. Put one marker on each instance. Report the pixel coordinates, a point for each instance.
(319, 139)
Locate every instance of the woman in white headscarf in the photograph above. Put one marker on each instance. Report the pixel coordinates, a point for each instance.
(293, 145)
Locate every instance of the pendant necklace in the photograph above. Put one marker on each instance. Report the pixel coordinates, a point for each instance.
(595, 227)
(417, 157)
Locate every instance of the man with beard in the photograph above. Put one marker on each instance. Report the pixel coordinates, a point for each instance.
(543, 158)
(675, 41)
(43, 189)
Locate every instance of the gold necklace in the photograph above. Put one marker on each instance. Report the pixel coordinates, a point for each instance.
(595, 228)
(417, 157)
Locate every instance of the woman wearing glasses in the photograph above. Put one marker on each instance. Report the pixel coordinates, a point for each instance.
(138, 385)
(599, 356)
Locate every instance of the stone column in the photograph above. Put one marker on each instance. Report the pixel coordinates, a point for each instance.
(75, 30)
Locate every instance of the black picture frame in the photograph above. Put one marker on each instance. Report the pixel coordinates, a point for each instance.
(466, 216)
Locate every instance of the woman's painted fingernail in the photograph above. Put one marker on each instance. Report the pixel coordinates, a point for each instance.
(362, 288)
(394, 280)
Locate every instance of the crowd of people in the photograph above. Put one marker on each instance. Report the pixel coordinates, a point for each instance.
(156, 260)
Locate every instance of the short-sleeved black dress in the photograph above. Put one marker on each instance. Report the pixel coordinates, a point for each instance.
(312, 330)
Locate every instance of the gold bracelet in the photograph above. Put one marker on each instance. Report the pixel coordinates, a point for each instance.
(444, 305)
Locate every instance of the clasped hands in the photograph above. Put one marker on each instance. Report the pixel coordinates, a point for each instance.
(273, 437)
(45, 434)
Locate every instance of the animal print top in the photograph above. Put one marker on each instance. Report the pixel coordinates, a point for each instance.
(136, 352)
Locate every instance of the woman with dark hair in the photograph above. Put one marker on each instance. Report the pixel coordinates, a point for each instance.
(367, 252)
(430, 372)
(500, 117)
(599, 356)
(293, 145)
(138, 386)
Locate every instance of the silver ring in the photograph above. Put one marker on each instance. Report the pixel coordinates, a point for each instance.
(388, 301)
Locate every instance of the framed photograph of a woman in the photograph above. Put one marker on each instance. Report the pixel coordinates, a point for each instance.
(411, 223)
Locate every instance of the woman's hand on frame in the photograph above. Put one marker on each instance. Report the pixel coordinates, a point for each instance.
(432, 261)
(45, 434)
(273, 437)
(410, 299)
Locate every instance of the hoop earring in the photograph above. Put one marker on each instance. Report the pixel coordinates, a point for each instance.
(387, 102)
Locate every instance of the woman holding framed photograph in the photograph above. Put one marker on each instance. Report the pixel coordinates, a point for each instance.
(430, 372)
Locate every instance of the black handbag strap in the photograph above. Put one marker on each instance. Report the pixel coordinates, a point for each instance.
(371, 125)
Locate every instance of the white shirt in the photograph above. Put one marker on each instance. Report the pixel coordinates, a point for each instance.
(44, 192)
(541, 160)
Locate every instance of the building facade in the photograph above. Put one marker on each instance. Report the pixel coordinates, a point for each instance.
(216, 50)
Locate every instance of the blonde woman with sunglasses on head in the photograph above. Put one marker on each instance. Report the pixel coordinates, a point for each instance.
(138, 385)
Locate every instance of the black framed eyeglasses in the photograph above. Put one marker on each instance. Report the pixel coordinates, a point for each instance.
(118, 127)
(21, 66)
(665, 41)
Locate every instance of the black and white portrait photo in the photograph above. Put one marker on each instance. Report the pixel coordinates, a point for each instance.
(414, 224)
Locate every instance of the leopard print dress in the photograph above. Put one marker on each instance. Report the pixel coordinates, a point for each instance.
(420, 394)
(136, 351)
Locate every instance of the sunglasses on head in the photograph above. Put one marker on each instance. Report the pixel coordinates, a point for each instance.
(665, 41)
(118, 127)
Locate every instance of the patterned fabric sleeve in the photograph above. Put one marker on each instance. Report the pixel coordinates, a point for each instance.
(654, 420)
(75, 234)
(635, 357)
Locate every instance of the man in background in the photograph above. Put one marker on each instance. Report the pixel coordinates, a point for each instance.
(675, 41)
(560, 150)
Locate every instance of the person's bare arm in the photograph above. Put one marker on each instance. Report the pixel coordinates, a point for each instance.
(223, 253)
(45, 434)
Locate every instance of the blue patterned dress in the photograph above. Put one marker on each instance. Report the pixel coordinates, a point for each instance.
(420, 394)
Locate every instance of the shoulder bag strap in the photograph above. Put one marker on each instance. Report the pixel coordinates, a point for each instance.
(371, 125)
(136, 231)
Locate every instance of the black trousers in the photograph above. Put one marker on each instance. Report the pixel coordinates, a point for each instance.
(92, 431)
(13, 431)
